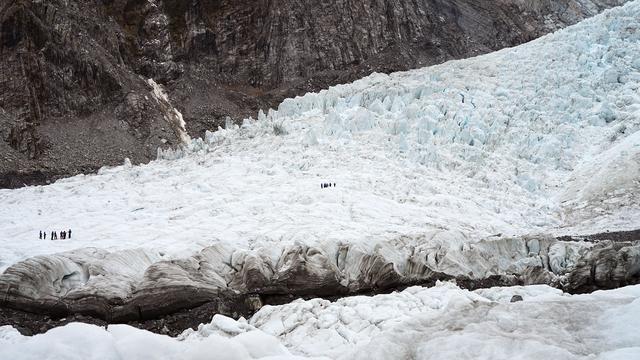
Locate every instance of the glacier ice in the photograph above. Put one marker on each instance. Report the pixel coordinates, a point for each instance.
(430, 164)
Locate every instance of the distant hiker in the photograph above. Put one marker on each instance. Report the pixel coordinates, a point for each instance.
(44, 235)
(63, 235)
(53, 235)
(69, 233)
(40, 234)
(334, 184)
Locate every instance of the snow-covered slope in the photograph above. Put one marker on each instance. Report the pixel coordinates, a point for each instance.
(443, 322)
(539, 138)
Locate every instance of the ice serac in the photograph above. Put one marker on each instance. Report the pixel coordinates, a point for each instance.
(73, 72)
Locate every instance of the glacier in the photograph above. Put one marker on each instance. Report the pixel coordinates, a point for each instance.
(511, 142)
(471, 168)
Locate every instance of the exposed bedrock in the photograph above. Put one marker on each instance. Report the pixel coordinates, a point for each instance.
(137, 284)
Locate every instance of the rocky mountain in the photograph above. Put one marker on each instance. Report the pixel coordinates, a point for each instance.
(74, 75)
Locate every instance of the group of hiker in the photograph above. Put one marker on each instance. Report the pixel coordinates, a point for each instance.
(54, 235)
(326, 185)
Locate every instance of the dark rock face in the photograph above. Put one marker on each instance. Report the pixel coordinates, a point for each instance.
(69, 103)
(73, 73)
(271, 43)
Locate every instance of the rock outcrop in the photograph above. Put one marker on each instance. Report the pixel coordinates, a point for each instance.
(74, 74)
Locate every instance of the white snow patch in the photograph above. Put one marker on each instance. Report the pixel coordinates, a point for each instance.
(172, 115)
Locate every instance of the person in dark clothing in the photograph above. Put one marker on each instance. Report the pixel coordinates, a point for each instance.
(69, 233)
(53, 235)
(40, 234)
(334, 184)
(62, 235)
(44, 235)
